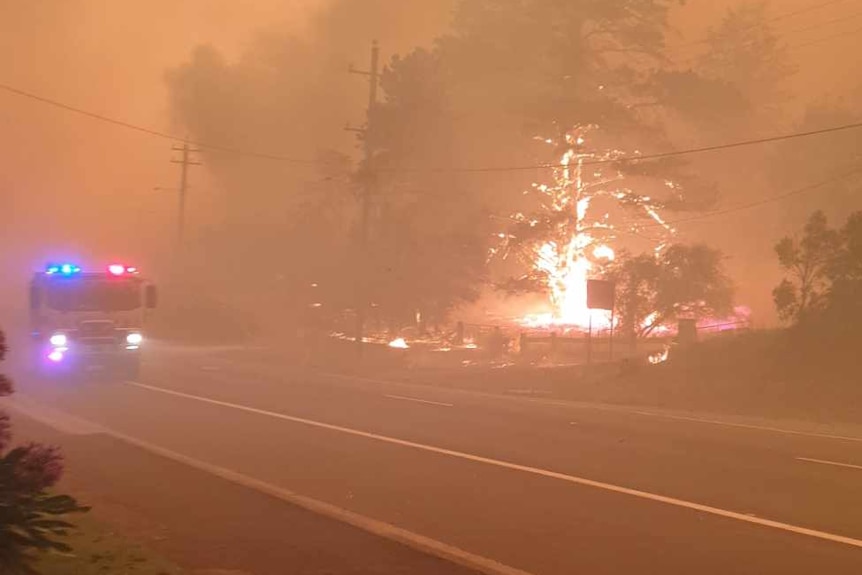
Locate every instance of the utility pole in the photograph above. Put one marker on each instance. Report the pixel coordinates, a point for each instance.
(184, 162)
(368, 184)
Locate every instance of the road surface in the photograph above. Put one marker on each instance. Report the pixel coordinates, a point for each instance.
(493, 484)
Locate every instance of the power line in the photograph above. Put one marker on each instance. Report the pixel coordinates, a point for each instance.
(644, 157)
(774, 19)
(694, 58)
(853, 32)
(813, 8)
(150, 131)
(822, 24)
(451, 169)
(770, 200)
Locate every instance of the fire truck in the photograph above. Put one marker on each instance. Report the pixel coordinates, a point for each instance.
(80, 319)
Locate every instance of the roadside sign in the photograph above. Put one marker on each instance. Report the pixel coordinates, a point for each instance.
(600, 294)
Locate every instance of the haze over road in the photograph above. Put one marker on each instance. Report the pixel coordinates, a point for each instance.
(535, 486)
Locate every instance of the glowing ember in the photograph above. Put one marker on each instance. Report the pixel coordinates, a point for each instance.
(604, 252)
(655, 329)
(660, 357)
(399, 343)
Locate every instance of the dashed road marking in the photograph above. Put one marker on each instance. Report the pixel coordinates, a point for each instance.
(417, 400)
(845, 540)
(833, 463)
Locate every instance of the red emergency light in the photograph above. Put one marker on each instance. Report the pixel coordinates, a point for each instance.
(121, 270)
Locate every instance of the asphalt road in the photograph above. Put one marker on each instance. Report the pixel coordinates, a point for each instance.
(498, 483)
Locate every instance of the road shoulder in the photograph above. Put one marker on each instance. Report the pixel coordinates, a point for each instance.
(206, 524)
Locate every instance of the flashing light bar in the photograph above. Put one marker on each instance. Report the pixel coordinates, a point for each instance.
(62, 269)
(67, 269)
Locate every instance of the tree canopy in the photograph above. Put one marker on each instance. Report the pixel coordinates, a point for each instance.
(461, 130)
(684, 281)
(823, 273)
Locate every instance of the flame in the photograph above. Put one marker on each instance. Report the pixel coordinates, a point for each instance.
(579, 245)
(660, 357)
(604, 252)
(399, 343)
(565, 261)
(576, 252)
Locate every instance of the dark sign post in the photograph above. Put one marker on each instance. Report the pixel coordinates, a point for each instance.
(601, 294)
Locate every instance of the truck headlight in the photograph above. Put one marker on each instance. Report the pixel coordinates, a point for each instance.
(59, 340)
(134, 338)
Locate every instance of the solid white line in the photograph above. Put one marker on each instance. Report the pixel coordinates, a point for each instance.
(416, 400)
(523, 468)
(410, 539)
(825, 462)
(596, 406)
(747, 426)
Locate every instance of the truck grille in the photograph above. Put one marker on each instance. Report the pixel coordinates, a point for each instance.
(96, 329)
(98, 341)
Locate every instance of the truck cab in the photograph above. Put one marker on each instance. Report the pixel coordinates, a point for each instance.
(82, 318)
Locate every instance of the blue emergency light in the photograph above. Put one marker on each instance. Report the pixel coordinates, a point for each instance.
(62, 269)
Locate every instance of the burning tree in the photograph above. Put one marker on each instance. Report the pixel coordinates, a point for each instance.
(590, 203)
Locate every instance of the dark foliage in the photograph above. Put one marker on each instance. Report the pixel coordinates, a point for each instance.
(32, 520)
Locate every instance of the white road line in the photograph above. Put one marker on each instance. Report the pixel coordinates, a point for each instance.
(417, 400)
(746, 426)
(598, 407)
(523, 468)
(825, 462)
(410, 539)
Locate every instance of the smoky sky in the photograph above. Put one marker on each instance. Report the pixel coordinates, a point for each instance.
(74, 187)
(70, 185)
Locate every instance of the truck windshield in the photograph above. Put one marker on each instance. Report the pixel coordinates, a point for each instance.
(93, 295)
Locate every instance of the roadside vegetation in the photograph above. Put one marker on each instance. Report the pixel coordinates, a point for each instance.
(33, 518)
(809, 369)
(98, 551)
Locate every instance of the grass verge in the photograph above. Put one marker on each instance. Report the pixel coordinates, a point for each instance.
(98, 550)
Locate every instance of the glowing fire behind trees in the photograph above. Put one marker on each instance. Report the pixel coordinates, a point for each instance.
(565, 243)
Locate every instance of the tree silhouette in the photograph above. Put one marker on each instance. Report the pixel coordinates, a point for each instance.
(807, 260)
(684, 281)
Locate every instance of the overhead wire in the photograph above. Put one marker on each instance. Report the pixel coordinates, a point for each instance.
(645, 157)
(853, 32)
(692, 58)
(488, 169)
(150, 131)
(777, 18)
(453, 169)
(765, 201)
